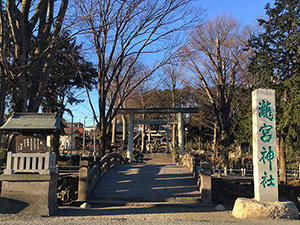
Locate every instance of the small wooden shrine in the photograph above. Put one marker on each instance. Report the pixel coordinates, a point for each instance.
(31, 130)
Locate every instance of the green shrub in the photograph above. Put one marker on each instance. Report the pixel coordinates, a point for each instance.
(3, 154)
(175, 154)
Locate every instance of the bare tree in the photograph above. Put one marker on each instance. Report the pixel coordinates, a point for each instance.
(216, 54)
(173, 74)
(121, 32)
(26, 58)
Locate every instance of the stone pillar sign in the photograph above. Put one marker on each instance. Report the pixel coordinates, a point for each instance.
(264, 145)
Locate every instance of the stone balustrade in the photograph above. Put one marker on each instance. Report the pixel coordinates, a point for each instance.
(202, 173)
(41, 163)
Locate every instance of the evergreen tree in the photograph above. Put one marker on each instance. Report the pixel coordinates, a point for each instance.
(277, 64)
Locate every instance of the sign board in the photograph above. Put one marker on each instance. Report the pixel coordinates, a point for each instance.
(264, 145)
(31, 143)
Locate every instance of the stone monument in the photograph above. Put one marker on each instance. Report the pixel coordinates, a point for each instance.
(265, 203)
(264, 145)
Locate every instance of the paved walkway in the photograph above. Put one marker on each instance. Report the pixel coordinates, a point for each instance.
(156, 180)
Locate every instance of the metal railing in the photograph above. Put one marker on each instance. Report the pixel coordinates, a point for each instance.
(244, 172)
(68, 169)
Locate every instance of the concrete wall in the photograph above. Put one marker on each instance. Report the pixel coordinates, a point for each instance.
(38, 191)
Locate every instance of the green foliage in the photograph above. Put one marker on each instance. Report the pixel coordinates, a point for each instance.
(175, 154)
(243, 117)
(277, 63)
(65, 83)
(3, 153)
(193, 144)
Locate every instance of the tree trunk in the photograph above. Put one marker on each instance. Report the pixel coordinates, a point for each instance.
(55, 145)
(282, 162)
(215, 144)
(143, 147)
(3, 90)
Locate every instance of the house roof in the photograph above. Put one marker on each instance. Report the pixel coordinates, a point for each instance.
(75, 130)
(33, 122)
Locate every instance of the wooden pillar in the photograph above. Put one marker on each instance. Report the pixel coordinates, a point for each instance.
(113, 132)
(180, 134)
(130, 137)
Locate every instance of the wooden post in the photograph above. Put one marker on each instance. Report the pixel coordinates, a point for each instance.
(180, 134)
(130, 137)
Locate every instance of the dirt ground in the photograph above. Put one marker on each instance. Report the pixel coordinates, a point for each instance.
(226, 191)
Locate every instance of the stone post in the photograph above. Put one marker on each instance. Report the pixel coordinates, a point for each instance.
(130, 137)
(225, 171)
(206, 184)
(124, 130)
(180, 134)
(83, 181)
(143, 146)
(113, 131)
(264, 145)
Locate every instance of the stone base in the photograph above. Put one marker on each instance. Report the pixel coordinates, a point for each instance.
(35, 193)
(245, 208)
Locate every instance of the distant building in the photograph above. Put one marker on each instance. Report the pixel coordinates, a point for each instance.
(76, 142)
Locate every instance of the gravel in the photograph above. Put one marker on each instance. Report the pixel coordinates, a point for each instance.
(137, 216)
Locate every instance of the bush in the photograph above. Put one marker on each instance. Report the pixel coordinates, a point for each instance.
(175, 154)
(3, 154)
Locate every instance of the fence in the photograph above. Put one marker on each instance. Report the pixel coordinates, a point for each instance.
(249, 172)
(42, 163)
(68, 169)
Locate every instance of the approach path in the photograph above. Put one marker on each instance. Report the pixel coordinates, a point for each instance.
(155, 180)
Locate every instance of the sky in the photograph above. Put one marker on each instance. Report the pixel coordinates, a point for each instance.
(245, 11)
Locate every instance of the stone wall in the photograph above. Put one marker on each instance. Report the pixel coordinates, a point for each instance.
(38, 191)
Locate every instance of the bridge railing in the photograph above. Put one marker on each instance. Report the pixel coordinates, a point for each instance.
(202, 172)
(88, 177)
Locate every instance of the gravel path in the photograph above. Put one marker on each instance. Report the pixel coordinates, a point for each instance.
(137, 216)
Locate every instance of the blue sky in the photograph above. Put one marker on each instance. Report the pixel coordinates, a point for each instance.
(245, 11)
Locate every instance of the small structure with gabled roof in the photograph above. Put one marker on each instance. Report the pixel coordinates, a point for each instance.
(33, 130)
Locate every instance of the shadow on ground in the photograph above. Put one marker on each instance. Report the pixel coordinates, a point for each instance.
(126, 210)
(11, 206)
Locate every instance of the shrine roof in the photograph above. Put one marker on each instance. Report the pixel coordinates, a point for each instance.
(30, 122)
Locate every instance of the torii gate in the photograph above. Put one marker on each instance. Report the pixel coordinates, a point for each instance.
(132, 122)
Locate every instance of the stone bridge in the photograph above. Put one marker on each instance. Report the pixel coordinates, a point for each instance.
(156, 180)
